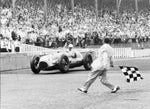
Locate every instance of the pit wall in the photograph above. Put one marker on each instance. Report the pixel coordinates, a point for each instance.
(14, 61)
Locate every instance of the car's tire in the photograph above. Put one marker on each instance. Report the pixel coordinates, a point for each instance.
(87, 61)
(64, 63)
(34, 64)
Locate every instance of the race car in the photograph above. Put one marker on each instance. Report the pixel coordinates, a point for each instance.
(61, 61)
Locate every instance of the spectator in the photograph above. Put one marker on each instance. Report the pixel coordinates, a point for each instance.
(29, 25)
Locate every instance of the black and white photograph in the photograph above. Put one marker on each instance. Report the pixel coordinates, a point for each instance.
(74, 54)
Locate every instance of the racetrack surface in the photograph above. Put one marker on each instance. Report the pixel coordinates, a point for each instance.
(20, 89)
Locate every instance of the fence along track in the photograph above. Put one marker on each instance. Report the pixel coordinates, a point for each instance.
(125, 52)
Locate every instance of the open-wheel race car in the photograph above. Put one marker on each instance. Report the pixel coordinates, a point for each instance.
(61, 61)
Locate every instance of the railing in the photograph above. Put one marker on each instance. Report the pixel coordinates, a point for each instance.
(123, 52)
(141, 53)
(32, 50)
(119, 52)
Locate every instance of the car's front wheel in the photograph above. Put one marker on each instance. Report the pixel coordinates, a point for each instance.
(34, 64)
(87, 61)
(64, 64)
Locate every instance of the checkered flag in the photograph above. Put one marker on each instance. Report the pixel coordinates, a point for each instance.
(131, 73)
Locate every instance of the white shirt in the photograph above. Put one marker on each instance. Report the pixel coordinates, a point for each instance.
(104, 58)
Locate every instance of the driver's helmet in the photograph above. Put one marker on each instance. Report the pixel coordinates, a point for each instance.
(70, 45)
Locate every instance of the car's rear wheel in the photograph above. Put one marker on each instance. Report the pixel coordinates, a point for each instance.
(87, 61)
(64, 64)
(34, 64)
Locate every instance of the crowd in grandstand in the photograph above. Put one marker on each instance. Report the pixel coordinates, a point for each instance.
(61, 27)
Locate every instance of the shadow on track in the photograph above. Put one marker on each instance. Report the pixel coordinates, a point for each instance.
(58, 72)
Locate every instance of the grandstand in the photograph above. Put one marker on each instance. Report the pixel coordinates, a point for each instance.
(74, 21)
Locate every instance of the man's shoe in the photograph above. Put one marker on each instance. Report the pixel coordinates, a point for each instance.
(115, 89)
(80, 89)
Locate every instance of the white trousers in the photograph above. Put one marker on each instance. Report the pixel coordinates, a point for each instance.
(92, 76)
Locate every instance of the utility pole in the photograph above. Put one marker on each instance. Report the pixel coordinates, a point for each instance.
(117, 6)
(13, 6)
(45, 10)
(118, 3)
(96, 9)
(72, 6)
(136, 8)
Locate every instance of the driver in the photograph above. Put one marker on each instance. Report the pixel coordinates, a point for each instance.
(73, 53)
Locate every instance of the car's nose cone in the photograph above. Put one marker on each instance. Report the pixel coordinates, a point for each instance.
(43, 65)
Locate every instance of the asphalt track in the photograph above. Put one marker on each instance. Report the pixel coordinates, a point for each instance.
(20, 89)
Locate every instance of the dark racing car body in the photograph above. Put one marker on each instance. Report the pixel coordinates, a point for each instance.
(60, 61)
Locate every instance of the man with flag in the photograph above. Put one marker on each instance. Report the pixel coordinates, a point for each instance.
(100, 66)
